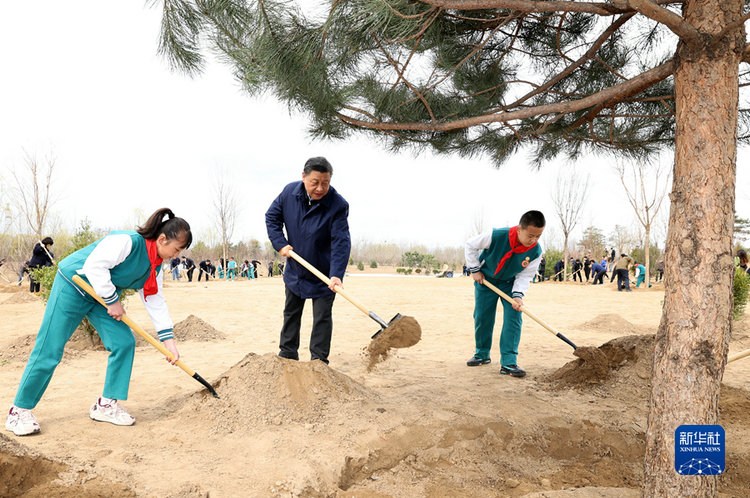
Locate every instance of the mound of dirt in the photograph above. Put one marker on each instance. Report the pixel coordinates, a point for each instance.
(272, 390)
(21, 298)
(403, 333)
(81, 340)
(13, 288)
(610, 322)
(18, 350)
(24, 472)
(193, 328)
(625, 361)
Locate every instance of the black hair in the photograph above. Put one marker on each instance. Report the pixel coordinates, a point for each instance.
(623, 255)
(173, 227)
(533, 218)
(742, 254)
(319, 164)
(47, 241)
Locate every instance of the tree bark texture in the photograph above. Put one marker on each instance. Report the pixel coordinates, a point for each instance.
(693, 337)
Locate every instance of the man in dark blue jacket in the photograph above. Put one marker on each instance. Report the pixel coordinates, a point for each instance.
(315, 218)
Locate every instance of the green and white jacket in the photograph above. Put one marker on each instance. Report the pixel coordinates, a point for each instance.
(116, 262)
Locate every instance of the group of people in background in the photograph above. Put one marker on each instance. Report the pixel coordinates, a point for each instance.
(609, 267)
(222, 270)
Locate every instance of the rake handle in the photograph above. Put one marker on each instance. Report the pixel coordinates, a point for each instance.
(531, 315)
(337, 288)
(134, 326)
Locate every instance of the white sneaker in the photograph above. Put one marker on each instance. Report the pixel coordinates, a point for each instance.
(111, 412)
(21, 422)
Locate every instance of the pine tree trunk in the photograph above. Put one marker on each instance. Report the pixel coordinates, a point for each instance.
(693, 337)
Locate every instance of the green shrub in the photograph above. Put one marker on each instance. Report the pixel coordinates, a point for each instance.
(360, 266)
(373, 264)
(418, 270)
(741, 284)
(400, 270)
(408, 271)
(435, 272)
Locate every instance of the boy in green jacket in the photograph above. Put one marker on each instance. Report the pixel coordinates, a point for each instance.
(507, 258)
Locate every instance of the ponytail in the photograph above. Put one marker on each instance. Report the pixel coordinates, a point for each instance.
(173, 227)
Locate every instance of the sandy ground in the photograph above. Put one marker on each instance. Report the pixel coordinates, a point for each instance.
(419, 423)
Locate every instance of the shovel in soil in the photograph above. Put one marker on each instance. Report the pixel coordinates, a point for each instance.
(585, 353)
(137, 329)
(341, 291)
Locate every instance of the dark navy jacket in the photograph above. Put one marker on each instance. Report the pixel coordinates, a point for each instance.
(318, 232)
(40, 257)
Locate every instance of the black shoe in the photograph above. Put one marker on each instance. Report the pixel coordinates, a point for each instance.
(475, 361)
(513, 371)
(289, 356)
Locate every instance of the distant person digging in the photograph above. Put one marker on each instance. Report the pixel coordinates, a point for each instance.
(507, 258)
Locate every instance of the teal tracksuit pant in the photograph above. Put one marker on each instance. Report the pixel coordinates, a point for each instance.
(66, 307)
(485, 309)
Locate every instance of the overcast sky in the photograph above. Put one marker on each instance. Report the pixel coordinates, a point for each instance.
(82, 80)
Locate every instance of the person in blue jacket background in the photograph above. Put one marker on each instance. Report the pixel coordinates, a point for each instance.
(316, 220)
(121, 260)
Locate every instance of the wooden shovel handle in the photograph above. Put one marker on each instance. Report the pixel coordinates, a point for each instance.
(739, 355)
(523, 308)
(337, 288)
(134, 326)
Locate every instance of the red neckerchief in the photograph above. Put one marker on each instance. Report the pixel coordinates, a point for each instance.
(151, 287)
(514, 249)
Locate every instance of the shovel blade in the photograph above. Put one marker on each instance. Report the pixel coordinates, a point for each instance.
(397, 317)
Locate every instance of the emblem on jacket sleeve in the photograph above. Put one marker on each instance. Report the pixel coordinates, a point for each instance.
(525, 262)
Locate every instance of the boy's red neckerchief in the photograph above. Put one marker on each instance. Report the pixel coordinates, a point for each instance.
(514, 249)
(151, 287)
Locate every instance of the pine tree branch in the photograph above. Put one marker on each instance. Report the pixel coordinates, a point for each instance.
(402, 77)
(605, 97)
(601, 8)
(617, 24)
(686, 31)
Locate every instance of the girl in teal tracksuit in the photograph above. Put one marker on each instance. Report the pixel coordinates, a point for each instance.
(121, 260)
(507, 258)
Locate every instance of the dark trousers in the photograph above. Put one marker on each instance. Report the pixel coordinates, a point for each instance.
(202, 273)
(599, 276)
(320, 338)
(587, 271)
(190, 274)
(34, 286)
(623, 279)
(577, 273)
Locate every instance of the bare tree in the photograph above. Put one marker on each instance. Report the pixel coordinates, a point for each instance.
(645, 195)
(225, 210)
(33, 190)
(569, 197)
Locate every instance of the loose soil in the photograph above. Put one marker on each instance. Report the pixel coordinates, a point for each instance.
(421, 423)
(402, 333)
